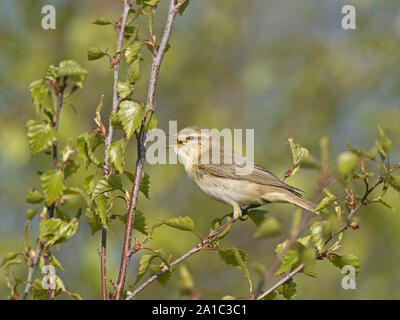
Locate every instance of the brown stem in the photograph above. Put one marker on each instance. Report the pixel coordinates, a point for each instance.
(343, 227)
(116, 63)
(142, 141)
(200, 246)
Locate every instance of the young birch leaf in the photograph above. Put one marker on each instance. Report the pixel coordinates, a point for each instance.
(288, 290)
(151, 120)
(41, 97)
(102, 21)
(236, 258)
(124, 89)
(52, 185)
(183, 7)
(145, 185)
(298, 152)
(384, 142)
(347, 161)
(144, 264)
(95, 54)
(394, 182)
(134, 71)
(269, 228)
(257, 216)
(41, 135)
(34, 197)
(130, 114)
(319, 232)
(162, 279)
(291, 257)
(348, 259)
(140, 223)
(114, 181)
(360, 153)
(132, 51)
(103, 208)
(326, 201)
(117, 154)
(181, 223)
(93, 221)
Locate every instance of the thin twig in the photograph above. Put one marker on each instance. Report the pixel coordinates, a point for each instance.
(343, 227)
(116, 63)
(142, 141)
(281, 282)
(200, 246)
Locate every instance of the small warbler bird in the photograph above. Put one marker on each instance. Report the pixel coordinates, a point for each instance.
(227, 176)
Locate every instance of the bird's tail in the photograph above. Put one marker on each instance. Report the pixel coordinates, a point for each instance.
(302, 203)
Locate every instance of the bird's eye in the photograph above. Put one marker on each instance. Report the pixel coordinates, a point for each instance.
(190, 138)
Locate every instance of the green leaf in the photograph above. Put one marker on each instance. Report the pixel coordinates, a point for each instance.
(52, 185)
(348, 259)
(73, 71)
(95, 54)
(186, 284)
(289, 260)
(162, 279)
(93, 220)
(145, 185)
(152, 3)
(384, 142)
(394, 182)
(298, 152)
(144, 264)
(103, 209)
(236, 258)
(134, 71)
(102, 21)
(86, 144)
(288, 290)
(41, 97)
(70, 168)
(151, 120)
(8, 257)
(257, 216)
(34, 197)
(269, 228)
(326, 201)
(360, 153)
(319, 232)
(124, 89)
(140, 222)
(130, 114)
(132, 51)
(114, 181)
(181, 223)
(347, 161)
(117, 154)
(31, 213)
(57, 230)
(41, 135)
(183, 7)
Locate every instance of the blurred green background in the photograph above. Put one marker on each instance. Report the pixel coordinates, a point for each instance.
(285, 68)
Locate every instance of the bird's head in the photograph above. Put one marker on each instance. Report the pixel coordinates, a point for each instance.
(191, 143)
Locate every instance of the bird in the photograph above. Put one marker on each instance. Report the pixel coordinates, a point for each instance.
(224, 175)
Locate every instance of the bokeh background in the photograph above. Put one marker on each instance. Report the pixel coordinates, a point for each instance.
(285, 68)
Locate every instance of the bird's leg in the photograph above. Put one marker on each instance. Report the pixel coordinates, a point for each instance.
(244, 216)
(251, 206)
(237, 212)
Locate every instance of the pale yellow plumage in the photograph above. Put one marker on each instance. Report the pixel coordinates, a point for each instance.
(220, 173)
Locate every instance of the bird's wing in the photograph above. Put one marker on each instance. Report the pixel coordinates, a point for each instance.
(234, 169)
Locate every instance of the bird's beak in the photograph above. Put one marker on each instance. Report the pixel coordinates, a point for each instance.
(171, 146)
